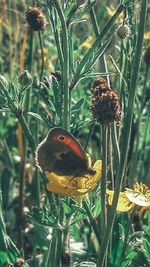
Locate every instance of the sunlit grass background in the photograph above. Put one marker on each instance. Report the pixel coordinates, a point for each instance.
(31, 227)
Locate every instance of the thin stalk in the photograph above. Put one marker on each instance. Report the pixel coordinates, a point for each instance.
(104, 179)
(30, 56)
(3, 234)
(59, 248)
(103, 66)
(26, 130)
(145, 140)
(65, 69)
(89, 135)
(92, 221)
(115, 145)
(51, 255)
(95, 45)
(57, 36)
(24, 153)
(137, 156)
(66, 241)
(110, 158)
(36, 177)
(125, 244)
(144, 89)
(42, 55)
(127, 131)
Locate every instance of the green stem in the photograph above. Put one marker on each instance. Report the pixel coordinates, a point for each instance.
(104, 179)
(91, 130)
(51, 255)
(3, 234)
(53, 21)
(92, 221)
(136, 159)
(103, 66)
(59, 248)
(26, 130)
(115, 145)
(30, 56)
(128, 227)
(95, 45)
(42, 56)
(65, 68)
(127, 131)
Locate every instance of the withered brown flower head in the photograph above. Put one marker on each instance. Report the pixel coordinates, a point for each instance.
(105, 103)
(36, 19)
(147, 56)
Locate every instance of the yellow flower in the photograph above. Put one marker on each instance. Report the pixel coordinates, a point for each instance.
(123, 205)
(88, 42)
(75, 186)
(147, 35)
(139, 196)
(111, 11)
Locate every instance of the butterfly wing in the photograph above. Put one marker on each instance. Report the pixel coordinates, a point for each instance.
(61, 153)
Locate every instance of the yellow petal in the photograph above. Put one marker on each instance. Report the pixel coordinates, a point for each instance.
(88, 42)
(111, 12)
(123, 205)
(147, 35)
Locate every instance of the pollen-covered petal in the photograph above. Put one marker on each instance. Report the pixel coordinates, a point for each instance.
(123, 205)
(139, 199)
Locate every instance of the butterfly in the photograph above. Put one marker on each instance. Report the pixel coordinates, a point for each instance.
(62, 154)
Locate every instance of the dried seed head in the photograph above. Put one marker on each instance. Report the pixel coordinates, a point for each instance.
(147, 56)
(36, 19)
(105, 103)
(123, 31)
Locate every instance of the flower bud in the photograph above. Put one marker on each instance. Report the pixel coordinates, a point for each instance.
(123, 31)
(25, 79)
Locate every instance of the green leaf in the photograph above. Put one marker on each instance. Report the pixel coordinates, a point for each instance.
(78, 104)
(128, 260)
(96, 209)
(35, 115)
(146, 251)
